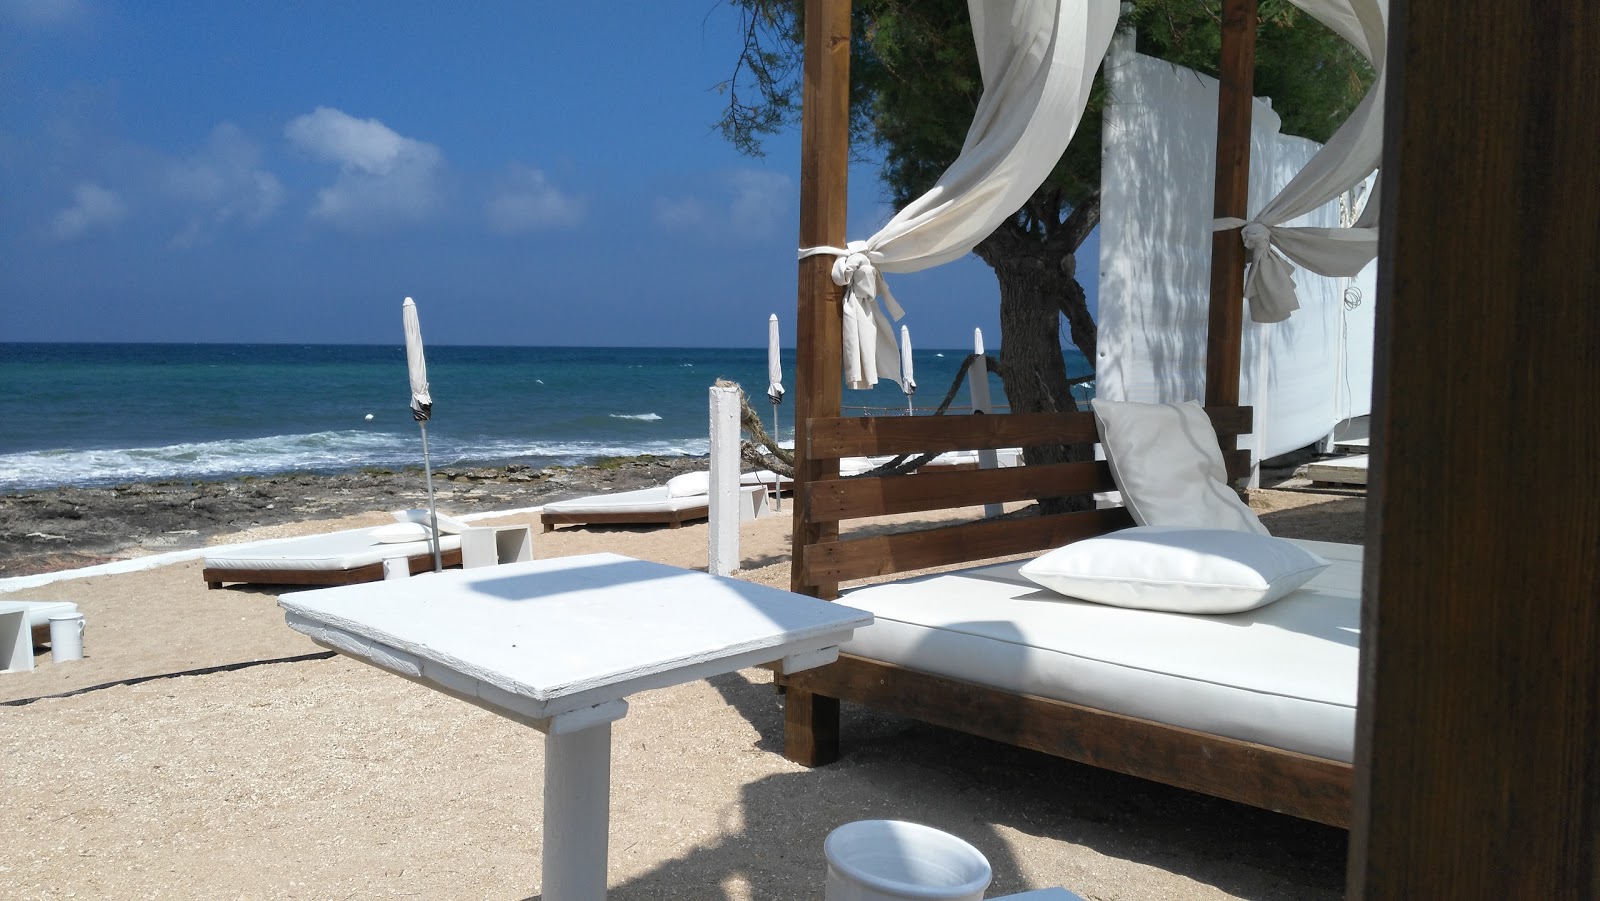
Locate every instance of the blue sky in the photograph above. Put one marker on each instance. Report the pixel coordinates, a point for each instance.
(531, 173)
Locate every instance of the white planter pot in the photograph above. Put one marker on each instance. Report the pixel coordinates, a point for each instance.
(66, 637)
(889, 860)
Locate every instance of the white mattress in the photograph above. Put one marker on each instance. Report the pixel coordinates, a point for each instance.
(333, 552)
(1282, 675)
(644, 500)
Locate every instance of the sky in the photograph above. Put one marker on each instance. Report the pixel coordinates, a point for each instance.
(532, 173)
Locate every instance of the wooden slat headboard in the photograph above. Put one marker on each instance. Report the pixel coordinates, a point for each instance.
(840, 558)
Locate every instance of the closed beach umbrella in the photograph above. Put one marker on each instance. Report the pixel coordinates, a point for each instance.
(774, 385)
(774, 368)
(907, 383)
(421, 408)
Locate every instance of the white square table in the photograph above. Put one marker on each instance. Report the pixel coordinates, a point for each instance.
(558, 645)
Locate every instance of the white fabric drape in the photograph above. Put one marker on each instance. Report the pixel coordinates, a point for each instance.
(1348, 157)
(1037, 60)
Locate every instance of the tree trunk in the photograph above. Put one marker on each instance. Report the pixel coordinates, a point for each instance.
(1033, 296)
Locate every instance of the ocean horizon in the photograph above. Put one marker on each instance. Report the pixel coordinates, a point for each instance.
(87, 415)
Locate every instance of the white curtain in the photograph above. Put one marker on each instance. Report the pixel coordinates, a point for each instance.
(1037, 59)
(1348, 157)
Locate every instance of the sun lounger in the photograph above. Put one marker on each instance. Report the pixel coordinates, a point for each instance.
(358, 555)
(645, 506)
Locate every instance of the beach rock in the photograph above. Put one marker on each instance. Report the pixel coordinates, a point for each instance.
(58, 528)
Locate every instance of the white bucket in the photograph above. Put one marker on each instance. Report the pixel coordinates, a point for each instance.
(66, 637)
(397, 568)
(890, 860)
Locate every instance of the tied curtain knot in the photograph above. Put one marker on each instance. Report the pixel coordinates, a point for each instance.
(868, 337)
(1257, 239)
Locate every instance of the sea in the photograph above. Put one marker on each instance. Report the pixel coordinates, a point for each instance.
(87, 415)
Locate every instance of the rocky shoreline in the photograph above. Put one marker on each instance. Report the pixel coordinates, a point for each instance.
(63, 528)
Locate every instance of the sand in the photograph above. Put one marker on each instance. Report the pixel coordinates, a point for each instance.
(202, 749)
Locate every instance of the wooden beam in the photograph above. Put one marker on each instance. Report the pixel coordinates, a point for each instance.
(824, 165)
(873, 435)
(882, 555)
(1478, 730)
(1225, 332)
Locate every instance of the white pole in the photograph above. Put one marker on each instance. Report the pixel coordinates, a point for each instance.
(978, 389)
(722, 555)
(433, 512)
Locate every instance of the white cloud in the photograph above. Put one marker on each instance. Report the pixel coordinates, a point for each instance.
(384, 177)
(223, 183)
(44, 13)
(761, 201)
(748, 203)
(93, 208)
(528, 202)
(677, 213)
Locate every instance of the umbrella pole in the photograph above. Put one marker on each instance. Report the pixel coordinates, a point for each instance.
(777, 480)
(433, 512)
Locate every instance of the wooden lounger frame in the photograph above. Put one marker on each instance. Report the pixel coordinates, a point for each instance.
(371, 572)
(1293, 783)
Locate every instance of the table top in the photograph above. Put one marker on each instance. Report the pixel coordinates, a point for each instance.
(566, 633)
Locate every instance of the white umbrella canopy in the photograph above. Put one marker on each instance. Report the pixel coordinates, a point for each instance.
(908, 384)
(774, 388)
(421, 402)
(421, 408)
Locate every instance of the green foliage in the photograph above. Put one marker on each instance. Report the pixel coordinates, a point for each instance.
(915, 82)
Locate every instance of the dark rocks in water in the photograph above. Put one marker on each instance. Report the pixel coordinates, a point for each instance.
(59, 528)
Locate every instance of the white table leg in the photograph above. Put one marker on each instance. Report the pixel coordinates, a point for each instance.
(577, 813)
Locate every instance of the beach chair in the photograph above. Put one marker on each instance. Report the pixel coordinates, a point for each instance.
(684, 498)
(360, 555)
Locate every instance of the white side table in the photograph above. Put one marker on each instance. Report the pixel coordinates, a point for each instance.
(16, 639)
(559, 645)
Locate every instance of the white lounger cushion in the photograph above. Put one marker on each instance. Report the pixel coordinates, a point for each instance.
(335, 551)
(1282, 675)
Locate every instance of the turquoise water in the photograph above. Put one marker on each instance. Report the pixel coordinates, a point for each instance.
(100, 414)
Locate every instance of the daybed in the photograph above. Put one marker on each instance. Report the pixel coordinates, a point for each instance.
(1202, 752)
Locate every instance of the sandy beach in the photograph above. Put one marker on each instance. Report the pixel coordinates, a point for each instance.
(203, 749)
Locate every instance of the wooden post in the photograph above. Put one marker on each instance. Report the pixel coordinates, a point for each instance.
(1478, 725)
(811, 722)
(1225, 332)
(824, 164)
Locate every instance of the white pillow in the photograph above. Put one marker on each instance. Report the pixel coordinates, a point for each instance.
(400, 532)
(1177, 570)
(447, 526)
(1168, 465)
(690, 484)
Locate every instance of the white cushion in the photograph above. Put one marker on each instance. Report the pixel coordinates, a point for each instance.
(334, 551)
(1178, 570)
(447, 526)
(1283, 675)
(1168, 465)
(690, 484)
(401, 532)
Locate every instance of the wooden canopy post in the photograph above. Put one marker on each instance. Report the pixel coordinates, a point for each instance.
(811, 721)
(1224, 334)
(824, 165)
(1478, 721)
